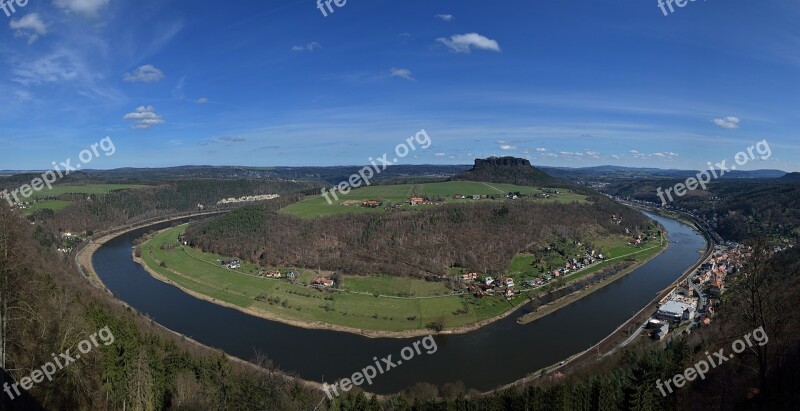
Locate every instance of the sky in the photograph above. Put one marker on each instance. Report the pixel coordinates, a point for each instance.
(280, 83)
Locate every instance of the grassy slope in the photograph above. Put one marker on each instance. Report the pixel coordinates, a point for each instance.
(318, 206)
(82, 189)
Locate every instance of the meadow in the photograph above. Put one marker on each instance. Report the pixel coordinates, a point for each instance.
(96, 189)
(48, 199)
(318, 206)
(355, 305)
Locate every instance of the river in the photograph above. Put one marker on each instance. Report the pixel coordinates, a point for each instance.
(494, 355)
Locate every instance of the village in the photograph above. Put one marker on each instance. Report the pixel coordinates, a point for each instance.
(694, 302)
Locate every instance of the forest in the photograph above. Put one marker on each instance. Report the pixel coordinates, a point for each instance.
(481, 236)
(94, 213)
(740, 210)
(48, 308)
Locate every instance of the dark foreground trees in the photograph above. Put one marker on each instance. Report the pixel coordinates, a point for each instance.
(49, 309)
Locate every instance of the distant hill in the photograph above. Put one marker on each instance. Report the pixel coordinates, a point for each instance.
(755, 174)
(617, 172)
(509, 170)
(791, 177)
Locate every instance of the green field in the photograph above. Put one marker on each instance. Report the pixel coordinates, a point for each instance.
(47, 198)
(97, 189)
(54, 205)
(318, 206)
(355, 306)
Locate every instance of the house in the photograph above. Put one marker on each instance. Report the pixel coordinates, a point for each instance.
(672, 311)
(273, 274)
(654, 324)
(488, 281)
(322, 282)
(476, 197)
(416, 201)
(509, 293)
(661, 333)
(469, 277)
(509, 282)
(231, 264)
(689, 314)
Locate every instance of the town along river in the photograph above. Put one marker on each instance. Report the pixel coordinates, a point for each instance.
(492, 356)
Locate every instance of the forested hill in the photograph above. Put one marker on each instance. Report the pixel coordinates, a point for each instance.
(791, 177)
(483, 237)
(510, 170)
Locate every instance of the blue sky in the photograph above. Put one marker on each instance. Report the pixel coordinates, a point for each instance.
(266, 83)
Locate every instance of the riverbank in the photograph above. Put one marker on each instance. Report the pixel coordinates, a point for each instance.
(566, 300)
(620, 336)
(83, 260)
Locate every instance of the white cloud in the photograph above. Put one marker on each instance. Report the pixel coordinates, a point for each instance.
(593, 154)
(440, 155)
(463, 43)
(402, 73)
(86, 8)
(225, 139)
(666, 155)
(23, 95)
(729, 122)
(445, 17)
(144, 117)
(202, 100)
(541, 149)
(308, 47)
(64, 67)
(59, 66)
(144, 74)
(506, 147)
(30, 26)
